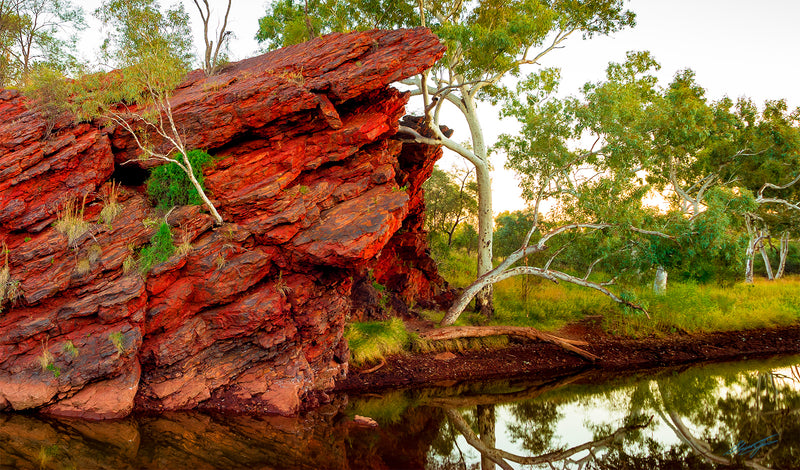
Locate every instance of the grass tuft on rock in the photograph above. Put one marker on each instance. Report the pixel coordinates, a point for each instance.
(158, 251)
(372, 341)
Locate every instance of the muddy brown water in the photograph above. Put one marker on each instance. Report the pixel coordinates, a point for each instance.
(727, 415)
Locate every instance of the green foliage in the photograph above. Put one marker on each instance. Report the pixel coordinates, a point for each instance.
(696, 308)
(158, 251)
(38, 34)
(371, 341)
(151, 48)
(140, 32)
(69, 348)
(484, 38)
(451, 200)
(54, 369)
(49, 93)
(169, 185)
(286, 22)
(118, 340)
(510, 231)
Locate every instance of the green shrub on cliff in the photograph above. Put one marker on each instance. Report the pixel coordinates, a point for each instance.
(159, 250)
(169, 185)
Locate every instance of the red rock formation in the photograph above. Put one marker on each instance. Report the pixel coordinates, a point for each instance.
(250, 315)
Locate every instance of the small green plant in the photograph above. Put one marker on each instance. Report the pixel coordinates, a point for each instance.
(118, 340)
(54, 369)
(169, 185)
(383, 296)
(27, 239)
(400, 189)
(69, 348)
(70, 221)
(303, 190)
(158, 251)
(150, 222)
(111, 207)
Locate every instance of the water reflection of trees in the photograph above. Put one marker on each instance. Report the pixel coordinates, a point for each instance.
(714, 415)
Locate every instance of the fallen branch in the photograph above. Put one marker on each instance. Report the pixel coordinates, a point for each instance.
(373, 369)
(457, 332)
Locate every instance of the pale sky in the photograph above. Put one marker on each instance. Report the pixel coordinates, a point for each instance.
(736, 47)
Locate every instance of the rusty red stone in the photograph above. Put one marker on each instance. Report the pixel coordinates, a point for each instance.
(251, 314)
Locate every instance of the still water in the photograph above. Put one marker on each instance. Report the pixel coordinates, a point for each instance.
(741, 415)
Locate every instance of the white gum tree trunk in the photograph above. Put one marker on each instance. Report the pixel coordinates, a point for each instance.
(660, 282)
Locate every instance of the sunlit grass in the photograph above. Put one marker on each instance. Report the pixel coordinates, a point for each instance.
(697, 308)
(686, 307)
(371, 341)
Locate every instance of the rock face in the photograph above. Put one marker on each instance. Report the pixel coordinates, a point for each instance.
(316, 195)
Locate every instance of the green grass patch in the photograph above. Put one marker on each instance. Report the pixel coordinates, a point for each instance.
(158, 251)
(169, 185)
(699, 308)
(686, 306)
(371, 341)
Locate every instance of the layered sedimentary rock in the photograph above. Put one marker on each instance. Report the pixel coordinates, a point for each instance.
(316, 194)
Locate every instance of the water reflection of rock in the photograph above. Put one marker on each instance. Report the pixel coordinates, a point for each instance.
(173, 441)
(702, 413)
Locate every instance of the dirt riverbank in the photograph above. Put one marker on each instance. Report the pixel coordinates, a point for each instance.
(538, 359)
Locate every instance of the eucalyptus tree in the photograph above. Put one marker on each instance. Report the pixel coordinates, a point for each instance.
(152, 47)
(212, 60)
(488, 40)
(451, 201)
(770, 170)
(10, 25)
(38, 33)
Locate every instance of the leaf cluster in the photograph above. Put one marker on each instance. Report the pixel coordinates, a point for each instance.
(451, 198)
(169, 185)
(158, 251)
(484, 38)
(38, 33)
(290, 22)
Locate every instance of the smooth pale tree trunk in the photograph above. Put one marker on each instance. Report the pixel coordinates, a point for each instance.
(486, 431)
(767, 265)
(748, 263)
(784, 254)
(660, 282)
(484, 300)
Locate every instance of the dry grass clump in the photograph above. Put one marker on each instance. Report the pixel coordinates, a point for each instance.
(70, 221)
(9, 288)
(185, 246)
(111, 206)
